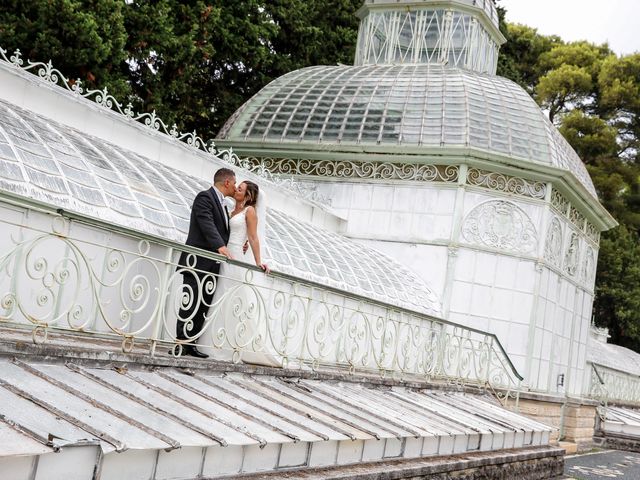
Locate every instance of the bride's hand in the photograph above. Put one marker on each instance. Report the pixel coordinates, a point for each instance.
(264, 267)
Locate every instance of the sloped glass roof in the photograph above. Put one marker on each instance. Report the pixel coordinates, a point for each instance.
(409, 105)
(50, 162)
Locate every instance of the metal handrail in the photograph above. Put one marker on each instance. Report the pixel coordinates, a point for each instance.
(17, 200)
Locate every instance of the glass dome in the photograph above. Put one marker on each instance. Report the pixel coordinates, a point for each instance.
(403, 106)
(55, 164)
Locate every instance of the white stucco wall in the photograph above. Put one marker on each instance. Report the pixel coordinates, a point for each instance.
(540, 313)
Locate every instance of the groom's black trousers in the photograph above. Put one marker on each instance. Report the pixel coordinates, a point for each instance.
(194, 285)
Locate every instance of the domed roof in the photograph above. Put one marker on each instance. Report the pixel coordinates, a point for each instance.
(409, 105)
(47, 161)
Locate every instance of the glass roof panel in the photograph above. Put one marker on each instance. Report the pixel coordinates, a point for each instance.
(416, 105)
(87, 175)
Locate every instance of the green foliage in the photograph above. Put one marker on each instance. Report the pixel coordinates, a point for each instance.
(590, 136)
(619, 83)
(594, 98)
(194, 62)
(519, 57)
(618, 287)
(567, 84)
(85, 39)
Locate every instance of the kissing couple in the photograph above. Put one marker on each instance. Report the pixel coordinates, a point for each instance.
(213, 228)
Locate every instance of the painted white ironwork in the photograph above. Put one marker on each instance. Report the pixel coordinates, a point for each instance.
(369, 170)
(559, 202)
(426, 34)
(576, 218)
(553, 244)
(572, 255)
(592, 233)
(611, 385)
(506, 183)
(501, 225)
(71, 272)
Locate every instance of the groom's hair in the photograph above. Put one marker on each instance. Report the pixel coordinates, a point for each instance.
(223, 174)
(251, 194)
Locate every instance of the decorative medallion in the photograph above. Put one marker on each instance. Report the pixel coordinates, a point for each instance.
(572, 256)
(553, 245)
(502, 225)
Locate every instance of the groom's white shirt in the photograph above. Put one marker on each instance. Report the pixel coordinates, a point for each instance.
(222, 204)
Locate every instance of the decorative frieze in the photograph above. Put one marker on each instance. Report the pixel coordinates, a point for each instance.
(558, 202)
(506, 183)
(501, 225)
(592, 233)
(576, 218)
(357, 169)
(572, 255)
(553, 244)
(589, 266)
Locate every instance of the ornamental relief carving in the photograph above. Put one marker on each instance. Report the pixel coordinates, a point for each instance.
(558, 202)
(553, 244)
(589, 267)
(593, 233)
(572, 255)
(506, 183)
(357, 169)
(576, 218)
(502, 225)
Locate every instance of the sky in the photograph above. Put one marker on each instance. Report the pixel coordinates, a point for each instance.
(614, 21)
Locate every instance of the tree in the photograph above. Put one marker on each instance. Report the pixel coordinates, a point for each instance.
(519, 56)
(594, 98)
(196, 62)
(619, 82)
(591, 137)
(569, 76)
(618, 288)
(84, 39)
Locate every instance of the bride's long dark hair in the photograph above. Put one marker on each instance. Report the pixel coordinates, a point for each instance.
(251, 194)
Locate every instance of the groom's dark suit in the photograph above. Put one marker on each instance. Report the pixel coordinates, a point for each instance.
(209, 230)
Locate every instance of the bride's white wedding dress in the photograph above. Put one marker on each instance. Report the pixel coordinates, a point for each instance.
(238, 328)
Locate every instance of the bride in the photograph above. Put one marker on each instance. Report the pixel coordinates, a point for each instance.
(238, 318)
(243, 224)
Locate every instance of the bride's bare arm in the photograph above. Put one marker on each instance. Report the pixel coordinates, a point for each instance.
(252, 234)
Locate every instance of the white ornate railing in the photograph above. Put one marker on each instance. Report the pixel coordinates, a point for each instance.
(609, 385)
(72, 272)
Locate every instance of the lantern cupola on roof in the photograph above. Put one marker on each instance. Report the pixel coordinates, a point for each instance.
(461, 33)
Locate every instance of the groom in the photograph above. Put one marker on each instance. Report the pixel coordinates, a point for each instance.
(208, 230)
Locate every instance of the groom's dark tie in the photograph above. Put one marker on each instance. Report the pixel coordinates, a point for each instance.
(226, 211)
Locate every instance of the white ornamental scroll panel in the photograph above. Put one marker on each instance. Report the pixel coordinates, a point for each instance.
(589, 267)
(572, 255)
(501, 225)
(553, 244)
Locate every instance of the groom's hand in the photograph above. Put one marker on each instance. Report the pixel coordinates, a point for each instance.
(225, 251)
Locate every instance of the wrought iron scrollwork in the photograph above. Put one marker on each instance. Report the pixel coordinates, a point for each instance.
(133, 288)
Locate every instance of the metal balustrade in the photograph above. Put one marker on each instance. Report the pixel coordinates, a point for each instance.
(609, 385)
(70, 272)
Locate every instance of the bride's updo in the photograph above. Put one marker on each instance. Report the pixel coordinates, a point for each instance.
(251, 194)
